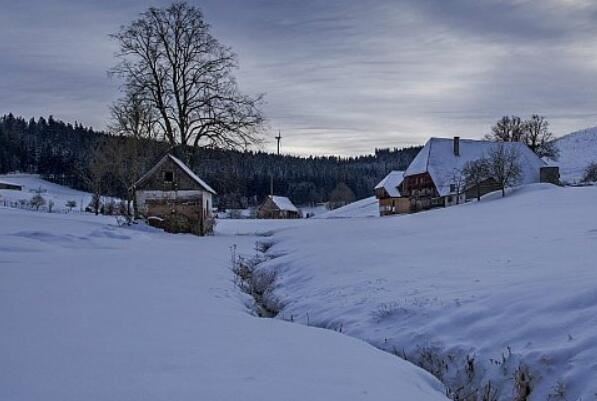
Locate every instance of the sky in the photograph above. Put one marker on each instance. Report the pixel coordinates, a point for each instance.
(339, 76)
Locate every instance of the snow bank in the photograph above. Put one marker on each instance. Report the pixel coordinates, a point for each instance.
(479, 293)
(91, 311)
(367, 207)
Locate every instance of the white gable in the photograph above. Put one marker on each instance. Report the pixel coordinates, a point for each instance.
(391, 182)
(438, 159)
(283, 203)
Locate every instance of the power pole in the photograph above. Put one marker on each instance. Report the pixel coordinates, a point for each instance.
(271, 182)
(278, 139)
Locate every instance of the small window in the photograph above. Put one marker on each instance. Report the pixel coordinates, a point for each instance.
(452, 187)
(168, 176)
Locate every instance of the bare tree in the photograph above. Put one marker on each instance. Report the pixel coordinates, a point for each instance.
(475, 172)
(503, 166)
(590, 174)
(170, 60)
(507, 129)
(538, 137)
(96, 172)
(457, 180)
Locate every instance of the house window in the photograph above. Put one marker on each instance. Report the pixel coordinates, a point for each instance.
(449, 199)
(168, 176)
(452, 187)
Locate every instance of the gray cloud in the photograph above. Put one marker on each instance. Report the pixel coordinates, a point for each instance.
(340, 76)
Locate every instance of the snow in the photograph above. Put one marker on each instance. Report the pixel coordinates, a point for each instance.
(577, 151)
(283, 203)
(50, 191)
(92, 311)
(391, 182)
(507, 282)
(438, 159)
(367, 207)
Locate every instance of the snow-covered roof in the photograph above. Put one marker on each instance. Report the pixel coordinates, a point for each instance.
(283, 203)
(191, 174)
(438, 159)
(391, 182)
(183, 167)
(10, 183)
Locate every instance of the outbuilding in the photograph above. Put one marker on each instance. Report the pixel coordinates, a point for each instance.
(277, 207)
(172, 197)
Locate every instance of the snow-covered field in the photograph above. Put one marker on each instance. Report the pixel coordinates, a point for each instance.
(497, 297)
(577, 151)
(92, 311)
(32, 184)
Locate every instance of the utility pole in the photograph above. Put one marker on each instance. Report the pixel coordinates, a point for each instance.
(278, 139)
(271, 182)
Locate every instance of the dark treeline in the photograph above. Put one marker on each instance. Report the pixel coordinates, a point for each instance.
(62, 153)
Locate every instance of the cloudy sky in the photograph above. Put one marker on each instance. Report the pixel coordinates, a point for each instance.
(340, 76)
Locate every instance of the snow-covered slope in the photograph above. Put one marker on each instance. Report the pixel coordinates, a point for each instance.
(367, 207)
(49, 191)
(577, 151)
(485, 295)
(90, 311)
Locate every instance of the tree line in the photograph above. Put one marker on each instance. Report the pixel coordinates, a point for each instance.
(94, 161)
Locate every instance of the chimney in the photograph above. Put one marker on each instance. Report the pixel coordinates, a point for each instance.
(456, 146)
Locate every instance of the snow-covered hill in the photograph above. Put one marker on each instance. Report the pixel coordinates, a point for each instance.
(496, 296)
(367, 207)
(577, 151)
(32, 184)
(91, 311)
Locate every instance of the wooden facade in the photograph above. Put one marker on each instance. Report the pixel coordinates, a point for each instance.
(170, 196)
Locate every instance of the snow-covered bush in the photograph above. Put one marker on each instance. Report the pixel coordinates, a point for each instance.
(37, 201)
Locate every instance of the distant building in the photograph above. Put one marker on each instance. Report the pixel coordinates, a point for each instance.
(429, 181)
(171, 196)
(388, 195)
(277, 207)
(11, 186)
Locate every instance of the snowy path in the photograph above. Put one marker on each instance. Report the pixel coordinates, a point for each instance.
(91, 311)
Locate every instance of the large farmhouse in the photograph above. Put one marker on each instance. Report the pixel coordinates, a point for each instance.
(172, 197)
(277, 207)
(434, 178)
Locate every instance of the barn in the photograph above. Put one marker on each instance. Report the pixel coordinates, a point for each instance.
(172, 197)
(277, 207)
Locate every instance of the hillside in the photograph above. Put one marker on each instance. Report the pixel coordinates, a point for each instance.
(33, 184)
(577, 151)
(492, 296)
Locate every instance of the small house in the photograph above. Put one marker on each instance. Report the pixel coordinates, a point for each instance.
(434, 178)
(10, 186)
(172, 197)
(277, 207)
(388, 195)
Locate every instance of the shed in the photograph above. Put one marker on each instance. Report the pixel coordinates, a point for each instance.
(277, 207)
(11, 186)
(171, 196)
